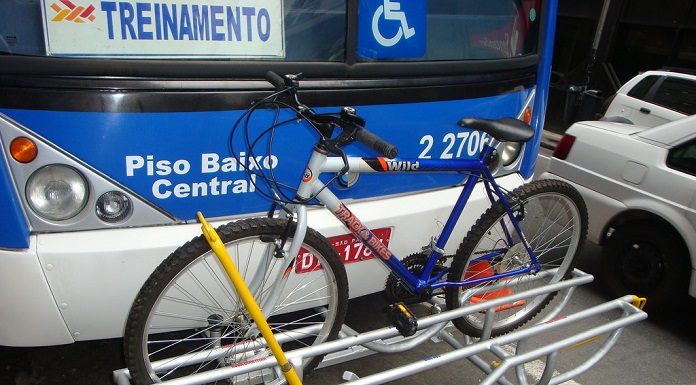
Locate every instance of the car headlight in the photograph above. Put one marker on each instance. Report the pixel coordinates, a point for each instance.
(57, 192)
(509, 152)
(113, 206)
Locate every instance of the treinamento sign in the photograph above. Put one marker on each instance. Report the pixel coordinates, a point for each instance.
(165, 28)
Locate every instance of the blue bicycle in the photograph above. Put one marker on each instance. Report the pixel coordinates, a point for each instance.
(187, 318)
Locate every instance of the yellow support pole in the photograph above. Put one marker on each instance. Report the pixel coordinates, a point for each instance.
(248, 299)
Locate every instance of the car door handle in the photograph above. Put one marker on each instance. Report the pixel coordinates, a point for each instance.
(644, 110)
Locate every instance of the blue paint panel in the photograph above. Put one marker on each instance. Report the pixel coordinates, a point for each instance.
(542, 90)
(15, 230)
(181, 163)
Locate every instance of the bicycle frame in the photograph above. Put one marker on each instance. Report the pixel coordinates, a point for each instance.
(312, 187)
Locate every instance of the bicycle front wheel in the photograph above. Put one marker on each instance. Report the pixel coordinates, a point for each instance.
(553, 218)
(187, 318)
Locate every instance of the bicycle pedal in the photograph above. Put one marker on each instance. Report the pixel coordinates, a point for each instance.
(403, 320)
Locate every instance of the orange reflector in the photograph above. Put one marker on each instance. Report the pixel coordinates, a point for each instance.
(482, 270)
(23, 150)
(496, 294)
(479, 270)
(527, 115)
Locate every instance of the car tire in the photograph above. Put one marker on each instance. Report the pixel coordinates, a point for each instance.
(648, 260)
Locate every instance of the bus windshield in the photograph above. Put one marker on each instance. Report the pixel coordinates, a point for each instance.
(290, 30)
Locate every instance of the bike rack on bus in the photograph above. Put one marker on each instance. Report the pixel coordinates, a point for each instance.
(511, 350)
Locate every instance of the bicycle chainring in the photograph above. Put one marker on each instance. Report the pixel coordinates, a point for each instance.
(396, 291)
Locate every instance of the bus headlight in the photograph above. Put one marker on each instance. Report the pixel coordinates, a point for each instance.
(113, 206)
(509, 152)
(57, 192)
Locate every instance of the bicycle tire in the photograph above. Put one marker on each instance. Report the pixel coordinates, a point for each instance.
(556, 215)
(189, 306)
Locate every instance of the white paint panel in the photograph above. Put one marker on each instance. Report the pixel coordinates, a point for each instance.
(97, 274)
(29, 315)
(165, 28)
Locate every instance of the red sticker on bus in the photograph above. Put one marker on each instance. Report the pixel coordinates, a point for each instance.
(348, 247)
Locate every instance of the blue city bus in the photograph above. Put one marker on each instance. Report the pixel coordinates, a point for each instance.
(115, 120)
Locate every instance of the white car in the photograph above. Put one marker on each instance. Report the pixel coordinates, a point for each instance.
(653, 98)
(640, 188)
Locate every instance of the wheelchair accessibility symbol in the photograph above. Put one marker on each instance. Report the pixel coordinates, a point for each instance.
(391, 10)
(391, 28)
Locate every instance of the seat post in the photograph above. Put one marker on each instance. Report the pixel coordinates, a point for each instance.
(489, 148)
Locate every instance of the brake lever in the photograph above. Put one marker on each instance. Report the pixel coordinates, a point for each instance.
(344, 157)
(346, 137)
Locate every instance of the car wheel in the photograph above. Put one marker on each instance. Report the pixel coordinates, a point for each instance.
(647, 260)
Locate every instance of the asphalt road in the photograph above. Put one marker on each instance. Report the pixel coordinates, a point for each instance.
(660, 350)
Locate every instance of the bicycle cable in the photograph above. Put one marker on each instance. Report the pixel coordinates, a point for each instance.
(274, 189)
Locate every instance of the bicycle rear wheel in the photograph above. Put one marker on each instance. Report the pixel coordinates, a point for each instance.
(187, 318)
(553, 218)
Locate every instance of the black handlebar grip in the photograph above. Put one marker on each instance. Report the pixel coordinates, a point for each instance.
(376, 143)
(276, 80)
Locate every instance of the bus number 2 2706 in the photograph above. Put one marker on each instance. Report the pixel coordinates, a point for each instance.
(453, 145)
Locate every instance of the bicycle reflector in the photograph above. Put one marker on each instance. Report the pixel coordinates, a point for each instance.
(563, 147)
(23, 149)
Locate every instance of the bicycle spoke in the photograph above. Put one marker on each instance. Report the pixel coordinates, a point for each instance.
(554, 231)
(198, 323)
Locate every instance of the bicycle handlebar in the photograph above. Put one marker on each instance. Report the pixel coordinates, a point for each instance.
(376, 143)
(275, 80)
(362, 135)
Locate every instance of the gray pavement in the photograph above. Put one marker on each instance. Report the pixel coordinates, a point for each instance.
(549, 140)
(660, 350)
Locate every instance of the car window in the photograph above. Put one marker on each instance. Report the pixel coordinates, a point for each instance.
(641, 89)
(683, 158)
(677, 94)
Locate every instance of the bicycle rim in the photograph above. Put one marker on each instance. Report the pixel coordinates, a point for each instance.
(198, 322)
(553, 223)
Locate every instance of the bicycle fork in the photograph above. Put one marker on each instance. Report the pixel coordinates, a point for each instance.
(249, 303)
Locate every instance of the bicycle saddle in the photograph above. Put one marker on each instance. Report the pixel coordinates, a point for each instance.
(503, 129)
